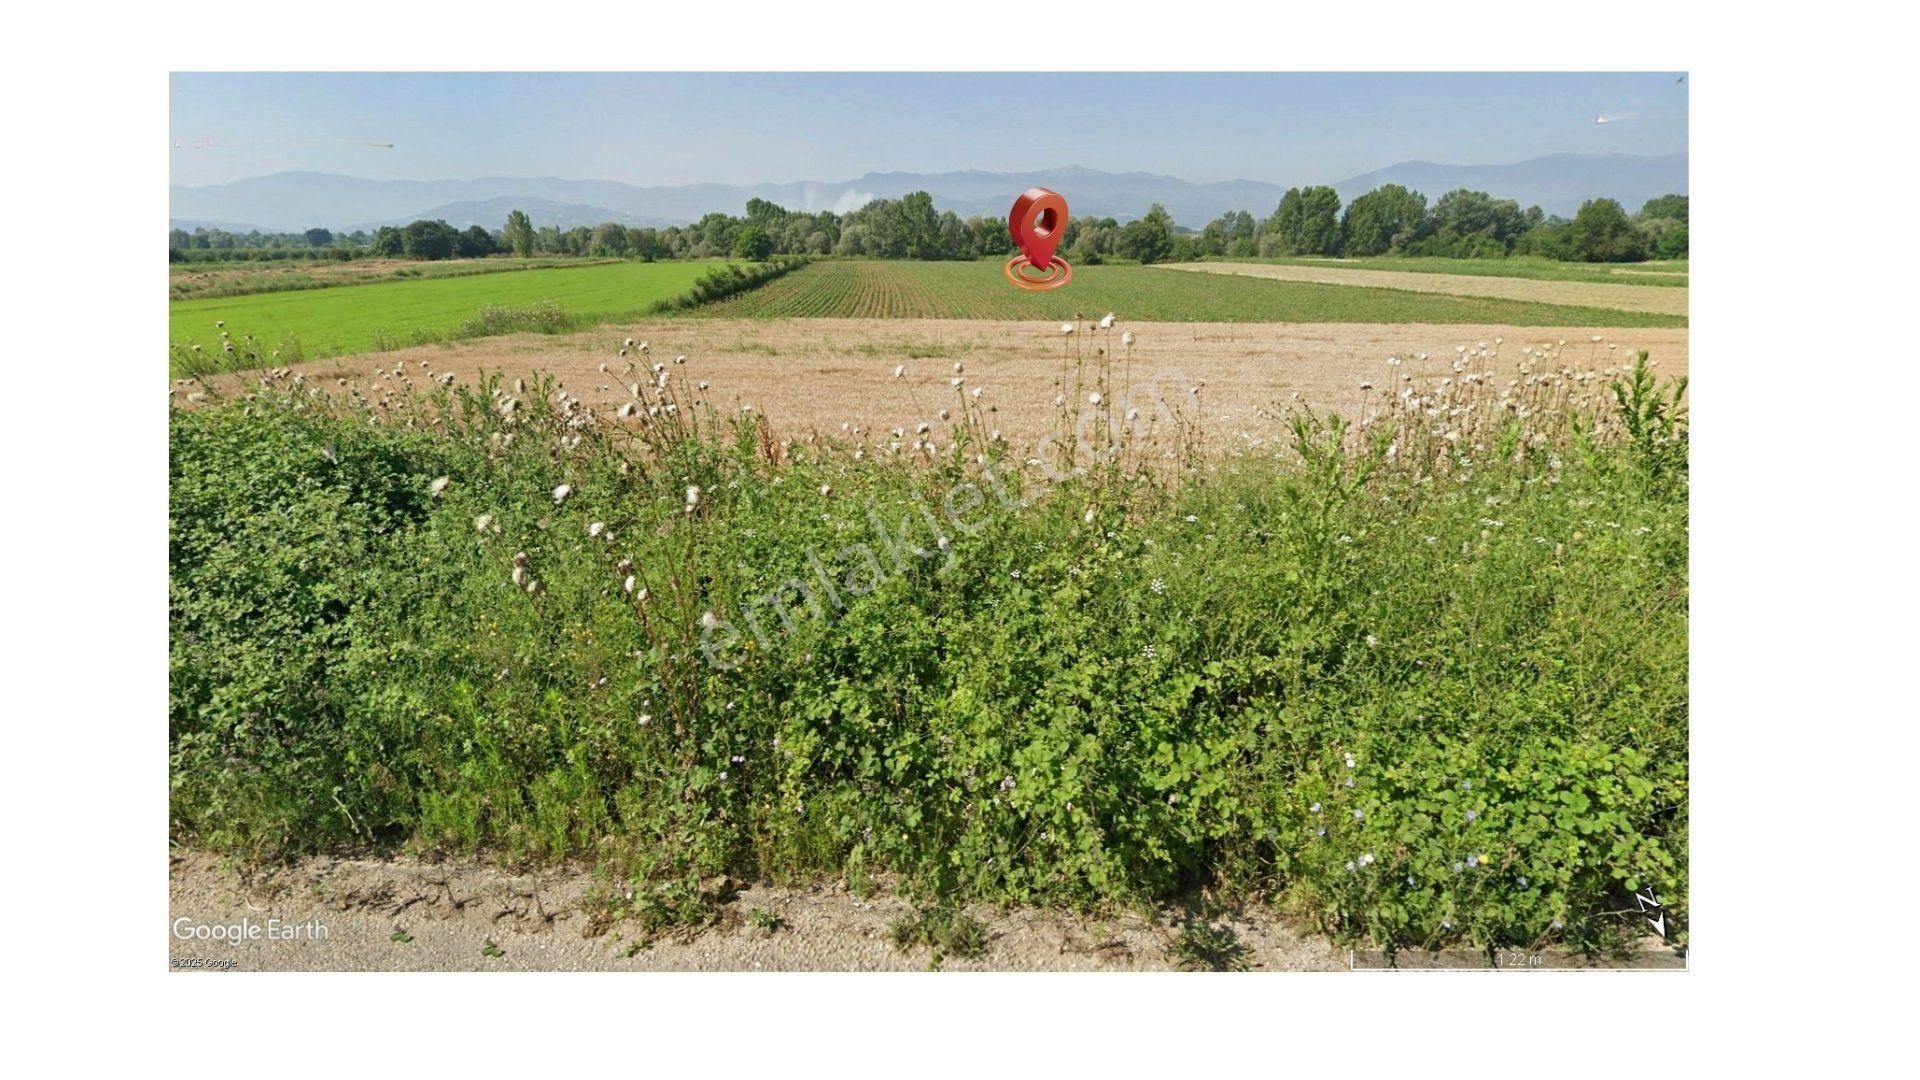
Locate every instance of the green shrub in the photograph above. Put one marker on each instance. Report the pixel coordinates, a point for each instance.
(542, 318)
(1125, 685)
(731, 279)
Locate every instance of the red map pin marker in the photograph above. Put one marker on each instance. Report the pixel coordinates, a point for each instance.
(1038, 221)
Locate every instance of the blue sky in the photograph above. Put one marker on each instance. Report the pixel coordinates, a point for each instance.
(746, 128)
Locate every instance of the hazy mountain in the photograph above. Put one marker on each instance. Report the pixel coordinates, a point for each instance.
(291, 201)
(492, 213)
(223, 226)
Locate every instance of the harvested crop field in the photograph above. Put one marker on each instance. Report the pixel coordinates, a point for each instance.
(203, 280)
(817, 374)
(1667, 300)
(977, 290)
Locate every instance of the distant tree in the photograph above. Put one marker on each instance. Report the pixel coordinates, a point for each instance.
(428, 240)
(853, 240)
(1240, 230)
(519, 233)
(989, 235)
(1473, 224)
(769, 216)
(1548, 240)
(712, 235)
(1670, 207)
(954, 241)
(388, 241)
(1601, 232)
(646, 244)
(1212, 239)
(1096, 239)
(609, 239)
(319, 237)
(1149, 239)
(1232, 233)
(1307, 221)
(1386, 218)
(1672, 244)
(474, 243)
(1663, 223)
(919, 226)
(751, 242)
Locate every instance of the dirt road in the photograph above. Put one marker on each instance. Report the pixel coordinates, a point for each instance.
(328, 915)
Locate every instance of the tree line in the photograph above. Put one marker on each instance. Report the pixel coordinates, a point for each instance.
(1463, 224)
(1389, 220)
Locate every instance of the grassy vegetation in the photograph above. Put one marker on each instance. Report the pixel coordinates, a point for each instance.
(360, 318)
(976, 290)
(1425, 681)
(1672, 274)
(204, 281)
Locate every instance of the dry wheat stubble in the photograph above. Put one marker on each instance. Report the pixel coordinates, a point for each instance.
(817, 374)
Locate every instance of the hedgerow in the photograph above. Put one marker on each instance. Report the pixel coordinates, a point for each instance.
(1423, 680)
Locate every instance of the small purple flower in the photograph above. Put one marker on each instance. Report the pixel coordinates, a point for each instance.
(1523, 881)
(1472, 816)
(1359, 815)
(1473, 860)
(1006, 784)
(738, 760)
(1314, 808)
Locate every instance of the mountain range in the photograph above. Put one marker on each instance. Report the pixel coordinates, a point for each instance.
(291, 201)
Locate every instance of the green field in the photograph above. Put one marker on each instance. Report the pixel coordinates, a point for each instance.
(358, 318)
(207, 280)
(1672, 273)
(976, 290)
